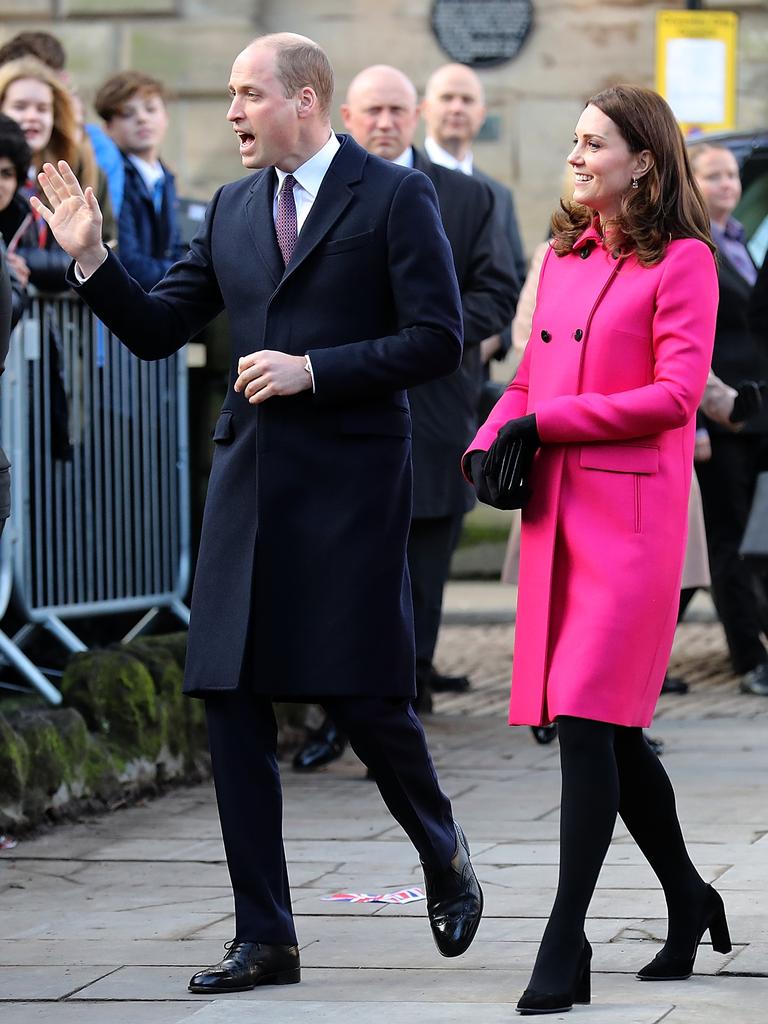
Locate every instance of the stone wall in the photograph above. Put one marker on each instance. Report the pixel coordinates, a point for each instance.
(575, 47)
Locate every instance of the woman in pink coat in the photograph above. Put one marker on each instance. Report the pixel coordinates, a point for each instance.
(607, 392)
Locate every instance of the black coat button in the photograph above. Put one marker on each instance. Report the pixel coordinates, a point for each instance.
(546, 336)
(584, 253)
(578, 334)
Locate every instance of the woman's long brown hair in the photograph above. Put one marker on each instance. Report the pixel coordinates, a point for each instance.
(666, 205)
(64, 143)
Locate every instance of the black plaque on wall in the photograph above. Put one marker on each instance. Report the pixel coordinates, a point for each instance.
(481, 33)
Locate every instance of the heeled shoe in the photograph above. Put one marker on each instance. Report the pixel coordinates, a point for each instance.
(532, 1002)
(665, 967)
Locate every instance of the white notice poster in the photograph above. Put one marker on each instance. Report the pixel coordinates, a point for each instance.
(696, 80)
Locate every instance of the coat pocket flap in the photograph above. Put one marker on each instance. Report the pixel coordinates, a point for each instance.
(620, 458)
(347, 244)
(223, 432)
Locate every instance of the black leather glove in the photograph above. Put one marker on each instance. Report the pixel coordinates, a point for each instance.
(748, 401)
(523, 429)
(500, 475)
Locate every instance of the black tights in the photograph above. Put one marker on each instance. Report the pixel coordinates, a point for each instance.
(609, 769)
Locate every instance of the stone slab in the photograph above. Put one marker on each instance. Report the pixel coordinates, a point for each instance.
(97, 1013)
(221, 1012)
(45, 981)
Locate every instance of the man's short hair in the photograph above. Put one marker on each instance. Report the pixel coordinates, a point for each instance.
(14, 147)
(42, 45)
(303, 63)
(120, 88)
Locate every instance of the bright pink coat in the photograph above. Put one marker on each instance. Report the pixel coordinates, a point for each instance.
(614, 370)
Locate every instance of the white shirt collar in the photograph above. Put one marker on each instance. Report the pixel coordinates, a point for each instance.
(150, 173)
(441, 156)
(405, 159)
(311, 173)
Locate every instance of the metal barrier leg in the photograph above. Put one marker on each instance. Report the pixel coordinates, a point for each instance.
(140, 626)
(30, 672)
(64, 634)
(180, 610)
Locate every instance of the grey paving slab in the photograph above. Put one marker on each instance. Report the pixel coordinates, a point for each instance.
(221, 1012)
(97, 1013)
(45, 981)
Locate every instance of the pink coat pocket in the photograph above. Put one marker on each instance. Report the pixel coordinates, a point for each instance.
(620, 458)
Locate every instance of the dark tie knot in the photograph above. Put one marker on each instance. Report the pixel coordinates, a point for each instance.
(288, 182)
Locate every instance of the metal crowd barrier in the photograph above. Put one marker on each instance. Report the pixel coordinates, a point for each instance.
(100, 480)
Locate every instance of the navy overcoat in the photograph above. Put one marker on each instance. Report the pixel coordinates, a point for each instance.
(301, 587)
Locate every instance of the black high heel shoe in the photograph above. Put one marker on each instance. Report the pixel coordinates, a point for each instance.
(532, 1002)
(665, 967)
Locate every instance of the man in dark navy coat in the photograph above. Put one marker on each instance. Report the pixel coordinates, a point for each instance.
(382, 113)
(341, 294)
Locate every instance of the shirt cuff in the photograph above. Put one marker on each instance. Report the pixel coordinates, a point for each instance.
(80, 276)
(310, 371)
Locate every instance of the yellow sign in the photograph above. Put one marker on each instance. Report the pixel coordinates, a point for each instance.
(696, 67)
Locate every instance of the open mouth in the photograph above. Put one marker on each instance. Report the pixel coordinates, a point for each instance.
(582, 179)
(245, 139)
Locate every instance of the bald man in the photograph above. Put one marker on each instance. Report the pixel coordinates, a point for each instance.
(341, 293)
(381, 112)
(454, 111)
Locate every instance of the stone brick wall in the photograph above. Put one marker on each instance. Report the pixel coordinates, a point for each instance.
(575, 47)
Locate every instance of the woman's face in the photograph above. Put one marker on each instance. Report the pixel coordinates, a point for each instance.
(603, 165)
(30, 102)
(8, 182)
(717, 175)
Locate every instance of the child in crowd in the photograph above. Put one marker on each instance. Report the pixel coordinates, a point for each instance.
(132, 106)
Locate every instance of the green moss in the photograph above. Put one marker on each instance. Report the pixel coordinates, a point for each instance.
(168, 677)
(99, 771)
(49, 764)
(115, 694)
(14, 763)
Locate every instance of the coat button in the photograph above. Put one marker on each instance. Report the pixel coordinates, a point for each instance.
(578, 334)
(546, 336)
(584, 253)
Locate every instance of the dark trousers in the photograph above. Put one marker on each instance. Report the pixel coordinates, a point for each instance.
(387, 737)
(431, 543)
(727, 484)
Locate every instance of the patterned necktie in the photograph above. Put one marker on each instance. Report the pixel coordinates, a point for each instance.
(285, 223)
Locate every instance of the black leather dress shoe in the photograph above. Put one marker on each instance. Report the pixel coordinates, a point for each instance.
(324, 745)
(674, 684)
(454, 901)
(448, 684)
(248, 964)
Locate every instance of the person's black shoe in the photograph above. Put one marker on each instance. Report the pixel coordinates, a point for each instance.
(454, 900)
(667, 966)
(324, 745)
(248, 964)
(533, 1002)
(656, 745)
(674, 684)
(544, 733)
(448, 684)
(756, 680)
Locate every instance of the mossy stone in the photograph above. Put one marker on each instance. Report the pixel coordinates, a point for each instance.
(168, 677)
(99, 772)
(116, 695)
(49, 765)
(14, 763)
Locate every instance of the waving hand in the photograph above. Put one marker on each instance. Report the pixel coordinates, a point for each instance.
(74, 217)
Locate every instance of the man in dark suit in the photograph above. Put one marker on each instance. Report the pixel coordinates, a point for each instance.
(382, 113)
(341, 293)
(454, 111)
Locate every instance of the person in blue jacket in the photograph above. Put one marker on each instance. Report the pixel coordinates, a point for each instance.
(132, 106)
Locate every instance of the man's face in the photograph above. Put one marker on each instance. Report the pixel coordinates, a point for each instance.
(453, 107)
(381, 113)
(139, 126)
(265, 121)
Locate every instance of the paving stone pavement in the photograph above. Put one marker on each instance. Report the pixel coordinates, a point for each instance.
(104, 920)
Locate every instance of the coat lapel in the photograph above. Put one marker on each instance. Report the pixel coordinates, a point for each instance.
(261, 223)
(332, 199)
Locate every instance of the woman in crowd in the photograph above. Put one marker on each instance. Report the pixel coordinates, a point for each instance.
(727, 478)
(606, 394)
(33, 96)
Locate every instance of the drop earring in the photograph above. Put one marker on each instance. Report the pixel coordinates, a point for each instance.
(635, 183)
